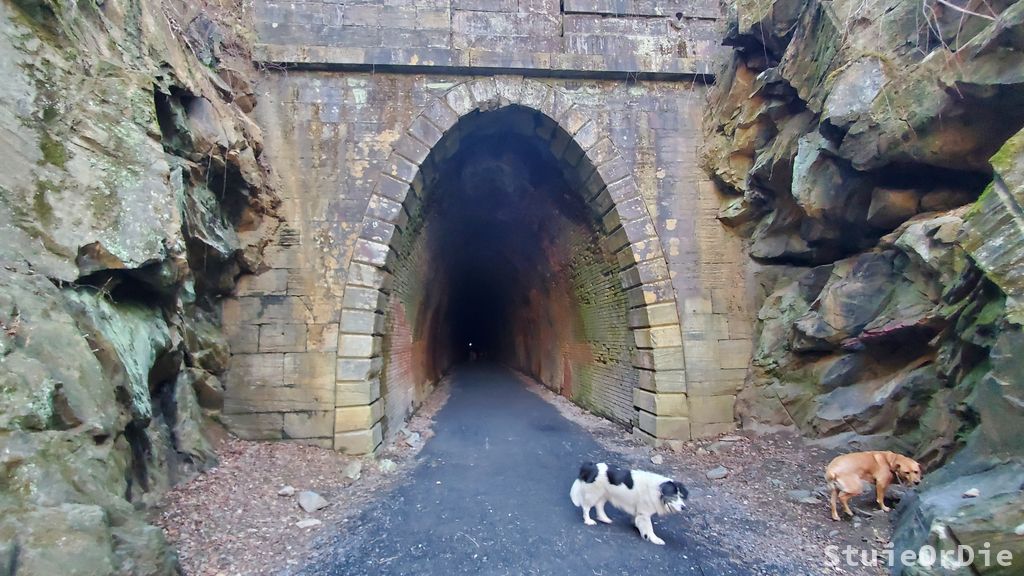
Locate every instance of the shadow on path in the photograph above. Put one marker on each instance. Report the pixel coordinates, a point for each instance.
(490, 495)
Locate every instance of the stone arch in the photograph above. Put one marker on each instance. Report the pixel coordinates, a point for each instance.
(610, 190)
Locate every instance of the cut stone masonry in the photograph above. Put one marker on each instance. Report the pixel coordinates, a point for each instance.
(356, 150)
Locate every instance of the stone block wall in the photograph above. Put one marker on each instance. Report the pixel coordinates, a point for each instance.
(372, 87)
(527, 35)
(565, 323)
(330, 135)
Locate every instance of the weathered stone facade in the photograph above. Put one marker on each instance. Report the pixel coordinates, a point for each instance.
(356, 151)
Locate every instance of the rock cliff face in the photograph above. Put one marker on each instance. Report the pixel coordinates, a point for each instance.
(867, 151)
(131, 197)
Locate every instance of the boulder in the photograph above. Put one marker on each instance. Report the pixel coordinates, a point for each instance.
(208, 388)
(128, 339)
(187, 417)
(737, 211)
(931, 241)
(770, 23)
(940, 516)
(788, 302)
(311, 501)
(208, 132)
(773, 164)
(999, 397)
(855, 88)
(92, 176)
(941, 199)
(717, 473)
(212, 241)
(53, 467)
(71, 539)
(141, 549)
(206, 344)
(207, 38)
(950, 113)
(844, 370)
(857, 291)
(824, 186)
(875, 406)
(890, 207)
(778, 237)
(812, 53)
(241, 89)
(51, 378)
(993, 234)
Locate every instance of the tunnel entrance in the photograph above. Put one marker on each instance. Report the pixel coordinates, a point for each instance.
(502, 260)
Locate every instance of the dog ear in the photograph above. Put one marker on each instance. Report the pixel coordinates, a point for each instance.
(682, 490)
(588, 472)
(668, 489)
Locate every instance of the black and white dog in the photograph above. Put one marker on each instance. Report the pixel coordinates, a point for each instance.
(641, 494)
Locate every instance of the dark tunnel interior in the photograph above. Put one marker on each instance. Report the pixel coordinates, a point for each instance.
(502, 262)
(503, 209)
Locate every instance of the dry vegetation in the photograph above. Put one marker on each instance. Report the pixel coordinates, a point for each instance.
(231, 520)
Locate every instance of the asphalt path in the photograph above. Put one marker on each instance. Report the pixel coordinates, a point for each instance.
(490, 495)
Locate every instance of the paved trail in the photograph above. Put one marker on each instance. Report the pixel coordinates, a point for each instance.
(490, 495)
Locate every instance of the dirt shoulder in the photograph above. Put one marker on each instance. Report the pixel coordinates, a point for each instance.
(231, 520)
(769, 507)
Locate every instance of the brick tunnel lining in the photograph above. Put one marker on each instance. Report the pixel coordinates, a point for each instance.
(503, 261)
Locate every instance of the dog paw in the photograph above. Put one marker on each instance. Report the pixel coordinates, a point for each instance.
(886, 509)
(835, 518)
(656, 540)
(605, 520)
(590, 522)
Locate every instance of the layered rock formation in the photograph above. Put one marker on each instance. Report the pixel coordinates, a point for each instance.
(131, 197)
(855, 144)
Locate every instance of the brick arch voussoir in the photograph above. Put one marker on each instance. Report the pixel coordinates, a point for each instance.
(610, 189)
(644, 274)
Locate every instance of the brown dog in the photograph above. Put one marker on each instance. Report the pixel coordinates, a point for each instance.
(847, 474)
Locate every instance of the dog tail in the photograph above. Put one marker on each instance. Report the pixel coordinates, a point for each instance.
(831, 480)
(576, 493)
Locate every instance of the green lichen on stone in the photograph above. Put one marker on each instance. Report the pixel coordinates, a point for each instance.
(992, 312)
(582, 391)
(41, 204)
(50, 113)
(53, 150)
(105, 206)
(986, 198)
(1009, 154)
(36, 15)
(137, 334)
(993, 237)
